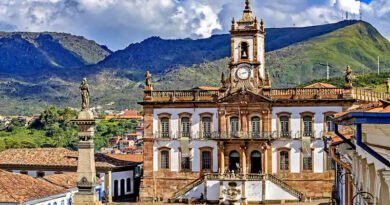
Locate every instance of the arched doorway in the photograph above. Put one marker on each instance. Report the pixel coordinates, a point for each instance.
(234, 161)
(255, 162)
(122, 187)
(115, 188)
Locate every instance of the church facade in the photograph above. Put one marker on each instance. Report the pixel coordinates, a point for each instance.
(244, 141)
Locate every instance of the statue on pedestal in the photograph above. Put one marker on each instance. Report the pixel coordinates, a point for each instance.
(348, 77)
(84, 90)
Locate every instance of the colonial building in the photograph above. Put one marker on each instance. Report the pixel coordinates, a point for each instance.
(244, 141)
(118, 174)
(362, 156)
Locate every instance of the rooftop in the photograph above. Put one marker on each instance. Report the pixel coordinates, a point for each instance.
(67, 180)
(128, 157)
(60, 158)
(18, 188)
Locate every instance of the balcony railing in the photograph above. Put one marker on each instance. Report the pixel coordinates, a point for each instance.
(238, 135)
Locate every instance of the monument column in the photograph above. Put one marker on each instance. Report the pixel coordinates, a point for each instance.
(86, 170)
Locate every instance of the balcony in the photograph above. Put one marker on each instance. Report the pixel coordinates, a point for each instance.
(238, 135)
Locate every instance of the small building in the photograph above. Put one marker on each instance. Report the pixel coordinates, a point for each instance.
(118, 176)
(125, 115)
(362, 155)
(18, 188)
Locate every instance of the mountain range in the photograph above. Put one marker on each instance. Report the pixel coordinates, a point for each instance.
(41, 69)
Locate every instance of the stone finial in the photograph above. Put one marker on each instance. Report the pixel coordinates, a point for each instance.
(348, 77)
(223, 82)
(262, 26)
(148, 81)
(84, 90)
(247, 5)
(233, 24)
(267, 80)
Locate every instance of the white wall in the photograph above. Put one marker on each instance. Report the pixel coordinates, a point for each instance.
(60, 199)
(194, 145)
(274, 192)
(212, 190)
(195, 192)
(174, 122)
(296, 117)
(122, 175)
(254, 190)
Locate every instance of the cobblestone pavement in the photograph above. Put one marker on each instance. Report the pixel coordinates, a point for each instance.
(316, 202)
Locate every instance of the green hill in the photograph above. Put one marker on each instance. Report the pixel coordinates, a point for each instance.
(357, 45)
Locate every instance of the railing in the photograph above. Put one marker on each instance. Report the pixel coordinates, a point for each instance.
(185, 95)
(283, 185)
(307, 93)
(368, 95)
(232, 176)
(185, 189)
(237, 135)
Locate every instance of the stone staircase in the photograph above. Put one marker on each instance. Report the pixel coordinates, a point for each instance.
(284, 186)
(176, 197)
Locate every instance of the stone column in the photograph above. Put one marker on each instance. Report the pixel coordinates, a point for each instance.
(86, 171)
(108, 185)
(243, 158)
(221, 158)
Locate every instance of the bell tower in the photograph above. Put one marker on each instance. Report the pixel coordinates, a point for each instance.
(247, 53)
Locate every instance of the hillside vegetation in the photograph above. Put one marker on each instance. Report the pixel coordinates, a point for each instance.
(295, 56)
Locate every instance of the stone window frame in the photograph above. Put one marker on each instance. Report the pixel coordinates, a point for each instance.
(307, 114)
(164, 115)
(279, 150)
(312, 161)
(160, 150)
(260, 122)
(190, 157)
(201, 116)
(278, 126)
(206, 149)
(326, 159)
(229, 124)
(189, 116)
(326, 115)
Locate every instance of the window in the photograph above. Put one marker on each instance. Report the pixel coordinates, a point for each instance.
(164, 127)
(185, 162)
(329, 124)
(206, 160)
(255, 123)
(185, 127)
(128, 185)
(62, 202)
(307, 126)
(55, 203)
(284, 126)
(164, 159)
(284, 161)
(24, 172)
(206, 127)
(244, 50)
(233, 126)
(40, 174)
(307, 160)
(329, 162)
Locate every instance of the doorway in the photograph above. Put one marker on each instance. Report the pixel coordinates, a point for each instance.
(122, 187)
(255, 162)
(234, 161)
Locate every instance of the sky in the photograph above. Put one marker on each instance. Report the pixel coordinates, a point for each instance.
(118, 23)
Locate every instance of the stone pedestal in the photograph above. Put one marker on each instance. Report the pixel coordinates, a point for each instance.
(86, 170)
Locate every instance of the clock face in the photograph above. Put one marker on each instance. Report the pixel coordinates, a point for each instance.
(243, 73)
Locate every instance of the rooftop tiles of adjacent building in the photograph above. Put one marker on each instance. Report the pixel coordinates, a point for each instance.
(128, 157)
(60, 158)
(19, 188)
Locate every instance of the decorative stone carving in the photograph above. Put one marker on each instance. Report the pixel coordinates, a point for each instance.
(232, 192)
(148, 81)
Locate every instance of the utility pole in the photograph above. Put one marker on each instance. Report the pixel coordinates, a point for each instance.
(378, 65)
(327, 71)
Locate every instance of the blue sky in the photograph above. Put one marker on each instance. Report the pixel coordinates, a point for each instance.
(117, 23)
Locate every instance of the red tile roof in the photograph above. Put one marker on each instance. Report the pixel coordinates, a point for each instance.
(54, 157)
(128, 157)
(381, 106)
(18, 188)
(321, 85)
(67, 180)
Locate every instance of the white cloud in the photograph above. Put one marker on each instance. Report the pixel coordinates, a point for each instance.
(120, 22)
